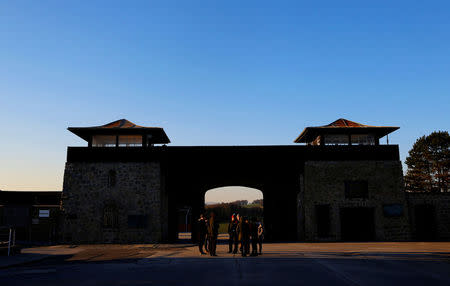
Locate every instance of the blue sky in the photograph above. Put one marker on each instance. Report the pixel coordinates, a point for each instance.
(214, 72)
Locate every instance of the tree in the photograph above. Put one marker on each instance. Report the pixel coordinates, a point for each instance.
(258, 202)
(224, 211)
(429, 163)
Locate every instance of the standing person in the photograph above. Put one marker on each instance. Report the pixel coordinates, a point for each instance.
(260, 236)
(201, 224)
(238, 229)
(232, 233)
(243, 235)
(246, 236)
(206, 235)
(213, 231)
(240, 234)
(236, 234)
(254, 236)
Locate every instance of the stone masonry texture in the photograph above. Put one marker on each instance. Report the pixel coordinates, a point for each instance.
(136, 192)
(323, 182)
(440, 222)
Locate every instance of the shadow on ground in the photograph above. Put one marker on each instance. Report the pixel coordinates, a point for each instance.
(146, 253)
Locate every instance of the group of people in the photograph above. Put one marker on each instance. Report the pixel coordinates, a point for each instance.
(242, 232)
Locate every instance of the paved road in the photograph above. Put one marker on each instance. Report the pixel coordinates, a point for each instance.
(338, 265)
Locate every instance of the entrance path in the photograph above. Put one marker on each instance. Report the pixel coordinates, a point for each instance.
(330, 250)
(108, 252)
(378, 263)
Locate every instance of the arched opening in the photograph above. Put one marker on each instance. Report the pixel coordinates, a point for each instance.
(224, 202)
(233, 200)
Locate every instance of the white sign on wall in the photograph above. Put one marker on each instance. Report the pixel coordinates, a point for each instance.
(44, 213)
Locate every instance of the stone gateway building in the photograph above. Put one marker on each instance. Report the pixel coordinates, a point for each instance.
(340, 184)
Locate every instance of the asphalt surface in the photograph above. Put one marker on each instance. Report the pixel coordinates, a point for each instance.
(282, 264)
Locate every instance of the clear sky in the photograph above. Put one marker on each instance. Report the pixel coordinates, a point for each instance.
(214, 72)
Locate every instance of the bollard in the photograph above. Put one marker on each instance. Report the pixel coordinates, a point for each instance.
(9, 241)
(187, 214)
(14, 238)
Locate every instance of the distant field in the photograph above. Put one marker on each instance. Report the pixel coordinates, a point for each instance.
(187, 236)
(223, 232)
(223, 227)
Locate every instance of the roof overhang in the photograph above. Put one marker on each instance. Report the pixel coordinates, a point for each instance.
(121, 127)
(157, 133)
(309, 134)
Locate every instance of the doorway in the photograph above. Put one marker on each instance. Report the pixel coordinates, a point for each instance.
(357, 224)
(424, 220)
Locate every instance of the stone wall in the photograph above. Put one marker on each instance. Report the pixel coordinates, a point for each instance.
(439, 222)
(135, 191)
(301, 211)
(324, 184)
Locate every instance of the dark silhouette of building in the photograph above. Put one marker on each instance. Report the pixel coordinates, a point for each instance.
(127, 186)
(34, 215)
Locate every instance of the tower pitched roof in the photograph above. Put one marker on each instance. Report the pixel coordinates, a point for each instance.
(121, 127)
(342, 122)
(343, 126)
(121, 123)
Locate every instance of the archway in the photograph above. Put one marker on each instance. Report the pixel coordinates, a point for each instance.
(195, 171)
(226, 201)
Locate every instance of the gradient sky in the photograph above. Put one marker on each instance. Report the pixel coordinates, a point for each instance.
(214, 73)
(230, 194)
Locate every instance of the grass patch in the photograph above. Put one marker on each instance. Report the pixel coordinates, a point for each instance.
(223, 227)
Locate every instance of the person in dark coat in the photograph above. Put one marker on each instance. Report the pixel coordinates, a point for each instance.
(232, 234)
(239, 232)
(254, 236)
(206, 236)
(246, 237)
(202, 231)
(260, 236)
(243, 235)
(238, 242)
(213, 232)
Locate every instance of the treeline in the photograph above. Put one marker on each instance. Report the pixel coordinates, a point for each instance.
(429, 164)
(224, 211)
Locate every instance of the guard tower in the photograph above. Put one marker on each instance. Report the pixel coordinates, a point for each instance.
(113, 188)
(344, 132)
(121, 133)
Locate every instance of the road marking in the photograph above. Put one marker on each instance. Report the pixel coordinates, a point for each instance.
(34, 271)
(346, 278)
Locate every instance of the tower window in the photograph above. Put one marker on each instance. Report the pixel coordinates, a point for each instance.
(356, 190)
(137, 221)
(111, 178)
(110, 217)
